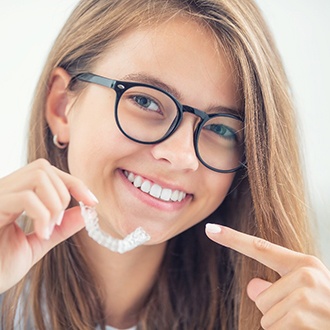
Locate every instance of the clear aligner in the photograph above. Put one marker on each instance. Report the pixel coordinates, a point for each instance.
(138, 237)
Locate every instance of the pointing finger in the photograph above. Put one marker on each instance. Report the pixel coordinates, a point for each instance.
(276, 257)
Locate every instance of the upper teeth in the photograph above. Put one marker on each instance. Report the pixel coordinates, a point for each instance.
(154, 189)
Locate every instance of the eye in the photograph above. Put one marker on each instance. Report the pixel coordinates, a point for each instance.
(146, 102)
(222, 130)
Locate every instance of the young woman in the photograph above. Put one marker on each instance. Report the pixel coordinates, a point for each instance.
(176, 115)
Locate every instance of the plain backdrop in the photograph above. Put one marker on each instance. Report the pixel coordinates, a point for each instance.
(302, 32)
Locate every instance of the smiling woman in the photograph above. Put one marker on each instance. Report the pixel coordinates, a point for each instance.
(159, 118)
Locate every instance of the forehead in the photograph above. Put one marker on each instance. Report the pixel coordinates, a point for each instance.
(182, 53)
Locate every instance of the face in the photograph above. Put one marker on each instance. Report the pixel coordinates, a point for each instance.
(180, 55)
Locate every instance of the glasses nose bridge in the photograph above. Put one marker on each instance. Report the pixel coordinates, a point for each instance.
(188, 109)
(198, 113)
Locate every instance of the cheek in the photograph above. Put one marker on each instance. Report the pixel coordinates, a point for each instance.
(92, 116)
(96, 145)
(217, 189)
(92, 136)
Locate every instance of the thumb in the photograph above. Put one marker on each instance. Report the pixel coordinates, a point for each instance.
(257, 286)
(72, 222)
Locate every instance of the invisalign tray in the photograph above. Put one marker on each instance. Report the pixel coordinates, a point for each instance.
(130, 242)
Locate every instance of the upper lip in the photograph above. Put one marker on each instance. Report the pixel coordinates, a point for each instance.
(162, 183)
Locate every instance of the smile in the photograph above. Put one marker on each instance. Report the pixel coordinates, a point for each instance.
(155, 190)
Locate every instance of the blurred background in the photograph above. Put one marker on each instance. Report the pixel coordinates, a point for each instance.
(300, 27)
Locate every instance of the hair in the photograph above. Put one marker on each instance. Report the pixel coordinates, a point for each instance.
(200, 285)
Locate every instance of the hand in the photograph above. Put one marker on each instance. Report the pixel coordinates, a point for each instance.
(43, 193)
(299, 299)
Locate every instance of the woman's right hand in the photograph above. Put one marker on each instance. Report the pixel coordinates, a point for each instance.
(42, 192)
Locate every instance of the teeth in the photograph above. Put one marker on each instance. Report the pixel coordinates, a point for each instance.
(145, 187)
(175, 195)
(155, 190)
(130, 177)
(138, 182)
(166, 194)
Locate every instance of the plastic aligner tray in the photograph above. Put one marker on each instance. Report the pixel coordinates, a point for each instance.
(138, 237)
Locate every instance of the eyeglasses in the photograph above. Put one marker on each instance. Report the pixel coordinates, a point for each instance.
(147, 114)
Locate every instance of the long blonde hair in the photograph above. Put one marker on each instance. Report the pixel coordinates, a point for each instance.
(200, 285)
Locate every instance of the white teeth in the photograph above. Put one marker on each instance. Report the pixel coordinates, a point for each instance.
(166, 194)
(155, 190)
(130, 177)
(182, 196)
(175, 195)
(138, 182)
(145, 187)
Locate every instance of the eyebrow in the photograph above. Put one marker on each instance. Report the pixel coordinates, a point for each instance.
(153, 81)
(147, 79)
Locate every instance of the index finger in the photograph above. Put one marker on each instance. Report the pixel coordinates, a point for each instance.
(77, 188)
(276, 257)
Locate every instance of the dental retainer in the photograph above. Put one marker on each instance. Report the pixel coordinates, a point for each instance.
(138, 237)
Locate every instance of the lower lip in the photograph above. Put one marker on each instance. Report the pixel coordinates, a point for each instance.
(152, 201)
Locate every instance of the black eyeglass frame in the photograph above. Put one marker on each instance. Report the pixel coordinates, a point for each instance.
(120, 87)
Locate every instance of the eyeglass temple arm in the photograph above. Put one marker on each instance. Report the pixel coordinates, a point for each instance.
(95, 79)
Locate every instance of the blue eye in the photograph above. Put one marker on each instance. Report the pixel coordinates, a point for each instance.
(146, 103)
(222, 130)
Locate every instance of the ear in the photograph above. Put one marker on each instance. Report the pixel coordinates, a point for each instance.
(58, 104)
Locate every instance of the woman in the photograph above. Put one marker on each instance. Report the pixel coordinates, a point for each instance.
(175, 114)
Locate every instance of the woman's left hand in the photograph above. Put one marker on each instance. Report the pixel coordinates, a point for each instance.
(299, 299)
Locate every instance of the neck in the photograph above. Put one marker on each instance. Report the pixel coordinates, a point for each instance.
(126, 278)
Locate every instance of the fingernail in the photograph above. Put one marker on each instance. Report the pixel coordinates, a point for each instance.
(213, 228)
(48, 231)
(46, 234)
(93, 197)
(59, 218)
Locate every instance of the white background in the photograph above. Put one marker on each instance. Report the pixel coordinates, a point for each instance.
(301, 29)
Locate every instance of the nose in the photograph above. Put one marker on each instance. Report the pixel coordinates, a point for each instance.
(178, 150)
